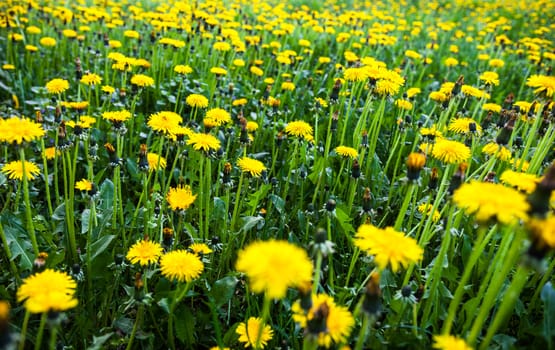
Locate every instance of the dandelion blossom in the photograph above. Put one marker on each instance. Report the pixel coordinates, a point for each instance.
(543, 84)
(84, 185)
(14, 170)
(117, 116)
(347, 152)
(299, 128)
(218, 116)
(464, 126)
(449, 342)
(204, 142)
(181, 265)
(91, 79)
(19, 130)
(155, 162)
(142, 80)
(197, 101)
(250, 333)
(164, 122)
(47, 291)
(488, 201)
(389, 247)
(180, 197)
(497, 151)
(273, 266)
(522, 181)
(450, 152)
(252, 166)
(326, 321)
(144, 252)
(57, 86)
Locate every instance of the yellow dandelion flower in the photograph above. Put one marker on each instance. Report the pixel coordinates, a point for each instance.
(256, 71)
(464, 126)
(155, 162)
(273, 266)
(287, 86)
(239, 102)
(91, 79)
(218, 71)
(252, 166)
(142, 80)
(490, 78)
(183, 69)
(450, 152)
(347, 152)
(200, 248)
(144, 252)
(50, 153)
(47, 291)
(164, 122)
(197, 101)
(522, 181)
(498, 151)
(117, 116)
(489, 200)
(47, 41)
(328, 322)
(469, 90)
(181, 265)
(14, 170)
(19, 130)
(543, 84)
(389, 247)
(180, 197)
(413, 92)
(491, 107)
(431, 132)
(426, 210)
(57, 86)
(356, 74)
(403, 104)
(219, 116)
(204, 142)
(299, 128)
(84, 185)
(108, 89)
(251, 334)
(496, 63)
(451, 62)
(450, 342)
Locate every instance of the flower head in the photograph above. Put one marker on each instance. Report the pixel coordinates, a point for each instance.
(84, 185)
(218, 116)
(91, 79)
(273, 266)
(57, 86)
(180, 197)
(426, 210)
(490, 78)
(252, 166)
(299, 128)
(522, 181)
(14, 170)
(464, 126)
(155, 162)
(181, 265)
(497, 151)
(183, 69)
(142, 80)
(196, 100)
(250, 333)
(389, 247)
(347, 152)
(327, 322)
(450, 342)
(543, 84)
(488, 200)
(450, 152)
(200, 248)
(48, 290)
(144, 252)
(117, 116)
(204, 142)
(19, 130)
(165, 122)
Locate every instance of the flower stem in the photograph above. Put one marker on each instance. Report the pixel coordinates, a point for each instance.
(23, 333)
(135, 327)
(237, 202)
(28, 213)
(40, 333)
(404, 206)
(363, 332)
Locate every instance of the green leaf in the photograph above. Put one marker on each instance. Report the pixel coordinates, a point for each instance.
(101, 245)
(20, 246)
(255, 197)
(548, 297)
(59, 213)
(184, 325)
(98, 342)
(317, 169)
(251, 221)
(85, 218)
(278, 203)
(124, 324)
(106, 195)
(222, 290)
(219, 209)
(344, 221)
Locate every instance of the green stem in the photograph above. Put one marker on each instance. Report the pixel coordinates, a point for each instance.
(404, 207)
(237, 202)
(28, 212)
(363, 332)
(23, 333)
(135, 327)
(507, 304)
(40, 332)
(53, 337)
(317, 271)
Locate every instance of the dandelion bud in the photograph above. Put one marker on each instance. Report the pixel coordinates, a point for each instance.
(539, 199)
(334, 96)
(40, 262)
(305, 292)
(490, 177)
(355, 170)
(364, 140)
(226, 179)
(330, 205)
(167, 234)
(367, 201)
(372, 304)
(434, 176)
(334, 120)
(505, 134)
(458, 85)
(415, 163)
(143, 159)
(118, 259)
(318, 323)
(138, 281)
(458, 178)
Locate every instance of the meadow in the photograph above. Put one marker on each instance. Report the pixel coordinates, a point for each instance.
(277, 174)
